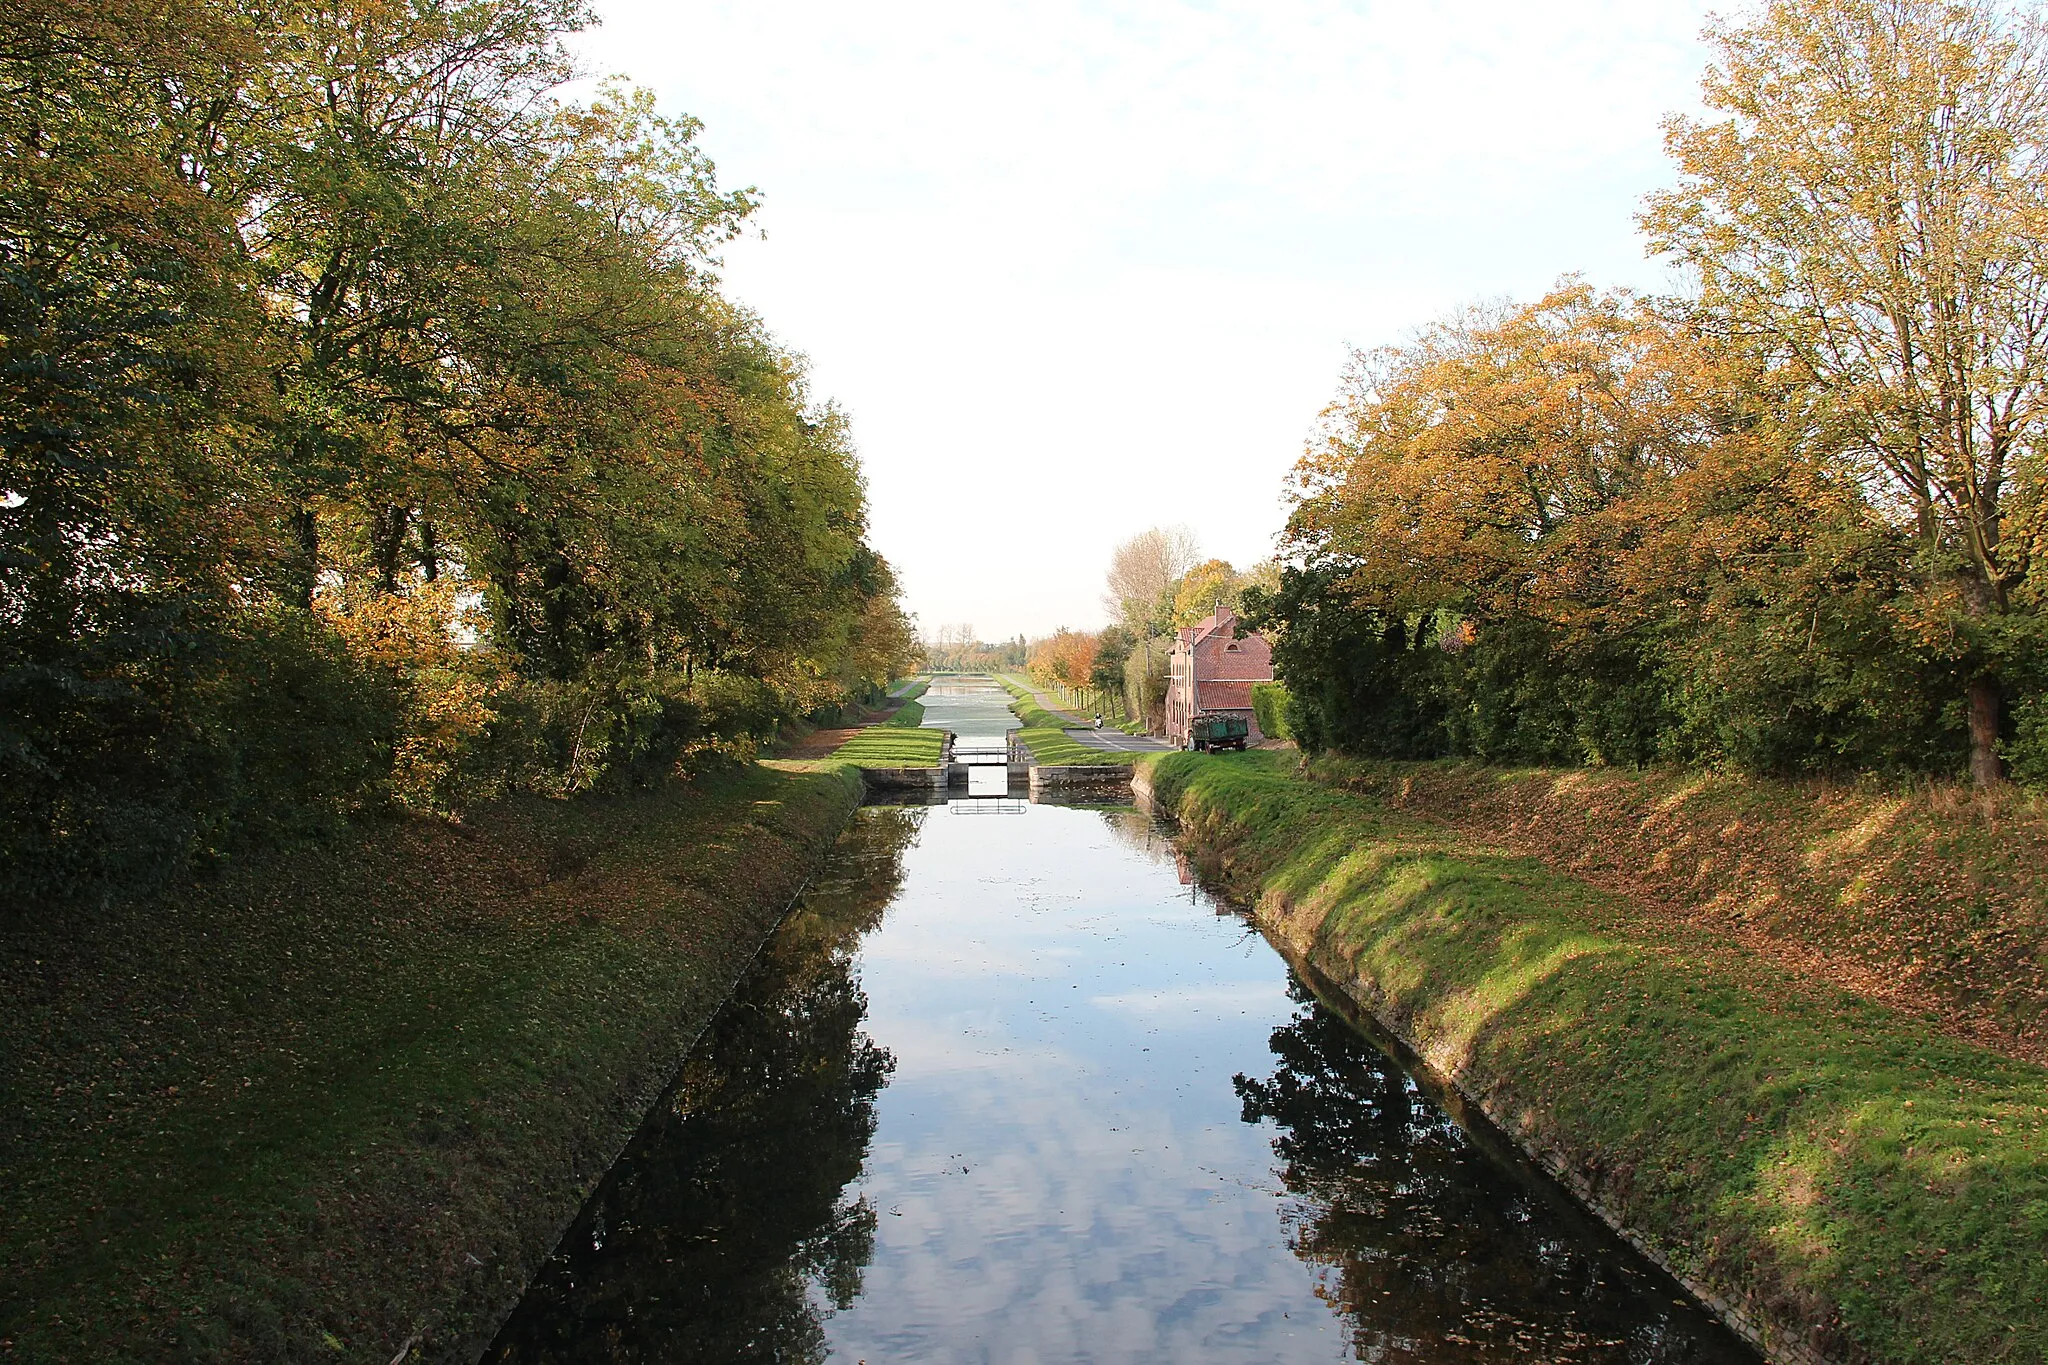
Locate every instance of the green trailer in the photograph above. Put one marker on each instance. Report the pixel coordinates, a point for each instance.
(1219, 732)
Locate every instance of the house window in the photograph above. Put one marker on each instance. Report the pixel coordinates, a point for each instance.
(1232, 646)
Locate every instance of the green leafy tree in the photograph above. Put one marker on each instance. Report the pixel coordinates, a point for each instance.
(1866, 197)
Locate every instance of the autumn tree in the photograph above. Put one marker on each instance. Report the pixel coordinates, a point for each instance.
(1868, 199)
(374, 430)
(1202, 589)
(1066, 657)
(1143, 572)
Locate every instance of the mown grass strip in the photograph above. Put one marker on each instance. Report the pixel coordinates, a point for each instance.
(891, 746)
(1840, 1173)
(1056, 746)
(354, 1092)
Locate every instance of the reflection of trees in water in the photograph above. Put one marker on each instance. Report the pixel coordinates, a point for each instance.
(1428, 1248)
(707, 1238)
(1138, 831)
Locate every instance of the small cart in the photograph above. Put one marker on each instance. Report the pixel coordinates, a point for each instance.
(1219, 732)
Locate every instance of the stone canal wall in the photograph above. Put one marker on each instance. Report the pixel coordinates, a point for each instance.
(1835, 1180)
(1046, 776)
(905, 779)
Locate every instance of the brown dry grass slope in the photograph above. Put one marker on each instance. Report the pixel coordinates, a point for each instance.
(1932, 899)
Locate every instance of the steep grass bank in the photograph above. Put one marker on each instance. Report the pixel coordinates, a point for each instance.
(1834, 1172)
(908, 716)
(340, 1103)
(1931, 898)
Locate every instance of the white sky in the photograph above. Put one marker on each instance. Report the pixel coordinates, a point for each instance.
(1079, 269)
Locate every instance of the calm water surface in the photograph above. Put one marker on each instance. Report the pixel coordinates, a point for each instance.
(1008, 1089)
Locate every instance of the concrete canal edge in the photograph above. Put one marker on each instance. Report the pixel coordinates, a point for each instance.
(1304, 865)
(905, 779)
(1055, 777)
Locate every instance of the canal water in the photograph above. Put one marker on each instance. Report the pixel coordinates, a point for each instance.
(970, 706)
(1009, 1088)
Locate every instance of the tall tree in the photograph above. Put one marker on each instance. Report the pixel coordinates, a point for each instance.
(1211, 584)
(1868, 199)
(1142, 574)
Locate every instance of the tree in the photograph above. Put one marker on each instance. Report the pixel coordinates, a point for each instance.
(1112, 650)
(1871, 205)
(1202, 589)
(1066, 657)
(333, 337)
(1142, 574)
(1585, 530)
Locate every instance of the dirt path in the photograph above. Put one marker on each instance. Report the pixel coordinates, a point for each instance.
(819, 743)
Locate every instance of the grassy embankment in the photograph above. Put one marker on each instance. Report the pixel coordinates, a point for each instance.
(1841, 1173)
(893, 746)
(1044, 732)
(908, 716)
(337, 1101)
(1933, 899)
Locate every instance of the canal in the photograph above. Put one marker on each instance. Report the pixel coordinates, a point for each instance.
(1007, 1087)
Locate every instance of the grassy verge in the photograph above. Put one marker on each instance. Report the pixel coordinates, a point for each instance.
(1029, 710)
(908, 716)
(1842, 1175)
(890, 746)
(911, 691)
(343, 1101)
(1054, 746)
(1931, 898)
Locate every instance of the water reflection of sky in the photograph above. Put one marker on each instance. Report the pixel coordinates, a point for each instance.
(1115, 1133)
(1007, 1090)
(967, 706)
(1059, 1162)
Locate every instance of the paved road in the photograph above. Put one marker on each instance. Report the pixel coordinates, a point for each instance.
(1119, 741)
(1105, 738)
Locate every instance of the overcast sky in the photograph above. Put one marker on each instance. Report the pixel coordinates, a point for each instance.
(1079, 269)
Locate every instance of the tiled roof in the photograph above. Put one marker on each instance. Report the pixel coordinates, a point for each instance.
(1207, 626)
(1223, 696)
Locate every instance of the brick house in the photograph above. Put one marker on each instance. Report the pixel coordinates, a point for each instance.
(1212, 672)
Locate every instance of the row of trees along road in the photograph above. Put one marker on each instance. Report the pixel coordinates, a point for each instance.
(1790, 522)
(373, 430)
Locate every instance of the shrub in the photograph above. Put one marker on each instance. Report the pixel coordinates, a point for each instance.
(1269, 705)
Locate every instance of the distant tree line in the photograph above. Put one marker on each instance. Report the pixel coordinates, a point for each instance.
(372, 430)
(1787, 523)
(958, 649)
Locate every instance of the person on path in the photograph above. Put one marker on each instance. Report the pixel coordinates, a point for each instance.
(1098, 720)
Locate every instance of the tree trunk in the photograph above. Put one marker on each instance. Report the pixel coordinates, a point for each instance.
(388, 526)
(1985, 768)
(304, 572)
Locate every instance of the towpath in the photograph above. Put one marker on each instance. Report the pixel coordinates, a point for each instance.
(1084, 732)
